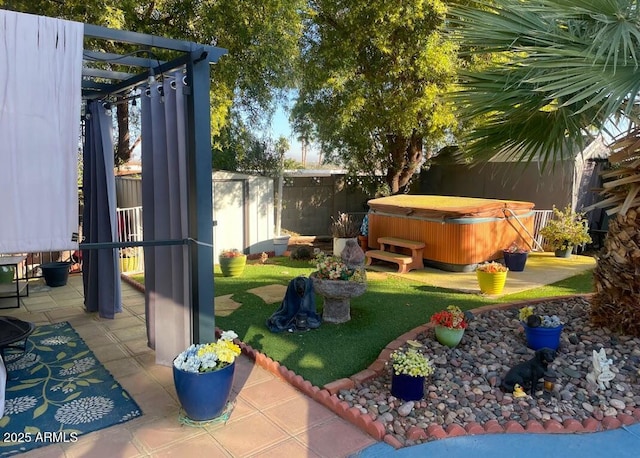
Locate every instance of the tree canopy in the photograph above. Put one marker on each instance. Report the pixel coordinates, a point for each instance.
(261, 39)
(373, 74)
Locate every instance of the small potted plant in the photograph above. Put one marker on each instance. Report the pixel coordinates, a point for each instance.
(409, 369)
(566, 230)
(515, 257)
(541, 330)
(232, 262)
(491, 277)
(342, 229)
(203, 376)
(449, 325)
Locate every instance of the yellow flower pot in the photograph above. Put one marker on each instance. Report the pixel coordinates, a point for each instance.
(128, 264)
(491, 282)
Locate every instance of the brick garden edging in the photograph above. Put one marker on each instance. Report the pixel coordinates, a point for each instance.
(327, 395)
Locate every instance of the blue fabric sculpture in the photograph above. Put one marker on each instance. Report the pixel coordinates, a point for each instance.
(297, 312)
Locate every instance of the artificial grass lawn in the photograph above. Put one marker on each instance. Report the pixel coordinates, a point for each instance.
(390, 307)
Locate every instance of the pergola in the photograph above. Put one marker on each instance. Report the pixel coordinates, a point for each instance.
(107, 75)
(171, 78)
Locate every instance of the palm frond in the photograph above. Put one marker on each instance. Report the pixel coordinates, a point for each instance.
(556, 68)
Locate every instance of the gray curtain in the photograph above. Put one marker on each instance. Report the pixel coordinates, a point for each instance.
(100, 267)
(164, 206)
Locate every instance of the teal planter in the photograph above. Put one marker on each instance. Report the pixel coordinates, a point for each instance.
(203, 395)
(449, 337)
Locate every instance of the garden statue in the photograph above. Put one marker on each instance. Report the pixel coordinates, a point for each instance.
(527, 375)
(601, 374)
(352, 255)
(297, 312)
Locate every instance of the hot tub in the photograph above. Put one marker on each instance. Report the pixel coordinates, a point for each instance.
(458, 232)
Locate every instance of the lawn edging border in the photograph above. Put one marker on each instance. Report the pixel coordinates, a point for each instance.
(328, 395)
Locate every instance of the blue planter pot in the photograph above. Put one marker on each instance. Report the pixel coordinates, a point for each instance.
(541, 337)
(515, 261)
(406, 387)
(203, 395)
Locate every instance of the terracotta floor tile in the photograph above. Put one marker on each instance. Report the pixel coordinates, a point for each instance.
(137, 346)
(162, 374)
(66, 303)
(135, 308)
(41, 307)
(139, 382)
(130, 333)
(241, 410)
(268, 393)
(35, 299)
(62, 295)
(248, 435)
(163, 433)
(158, 403)
(122, 321)
(110, 352)
(248, 374)
(298, 414)
(201, 446)
(107, 443)
(49, 451)
(63, 313)
(335, 438)
(146, 360)
(289, 449)
(121, 368)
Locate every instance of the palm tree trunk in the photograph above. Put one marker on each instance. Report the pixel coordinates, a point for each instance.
(616, 303)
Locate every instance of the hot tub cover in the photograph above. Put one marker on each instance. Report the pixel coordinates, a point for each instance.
(446, 207)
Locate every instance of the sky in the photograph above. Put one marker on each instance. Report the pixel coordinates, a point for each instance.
(281, 127)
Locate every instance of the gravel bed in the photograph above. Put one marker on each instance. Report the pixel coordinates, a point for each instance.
(465, 387)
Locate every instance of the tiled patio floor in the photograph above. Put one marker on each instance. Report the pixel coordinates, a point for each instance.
(270, 417)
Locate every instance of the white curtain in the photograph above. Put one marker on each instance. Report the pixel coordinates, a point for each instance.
(40, 90)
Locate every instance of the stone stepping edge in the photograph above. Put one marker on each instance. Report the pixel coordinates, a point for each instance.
(327, 396)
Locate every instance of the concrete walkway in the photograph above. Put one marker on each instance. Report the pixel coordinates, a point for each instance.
(541, 269)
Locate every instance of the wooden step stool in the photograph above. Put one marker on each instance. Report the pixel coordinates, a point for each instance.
(405, 262)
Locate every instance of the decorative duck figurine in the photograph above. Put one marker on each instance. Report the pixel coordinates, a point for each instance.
(518, 392)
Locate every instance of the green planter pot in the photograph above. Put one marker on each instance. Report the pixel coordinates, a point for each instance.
(233, 267)
(6, 274)
(447, 336)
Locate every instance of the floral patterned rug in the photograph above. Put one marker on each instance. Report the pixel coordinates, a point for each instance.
(56, 391)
